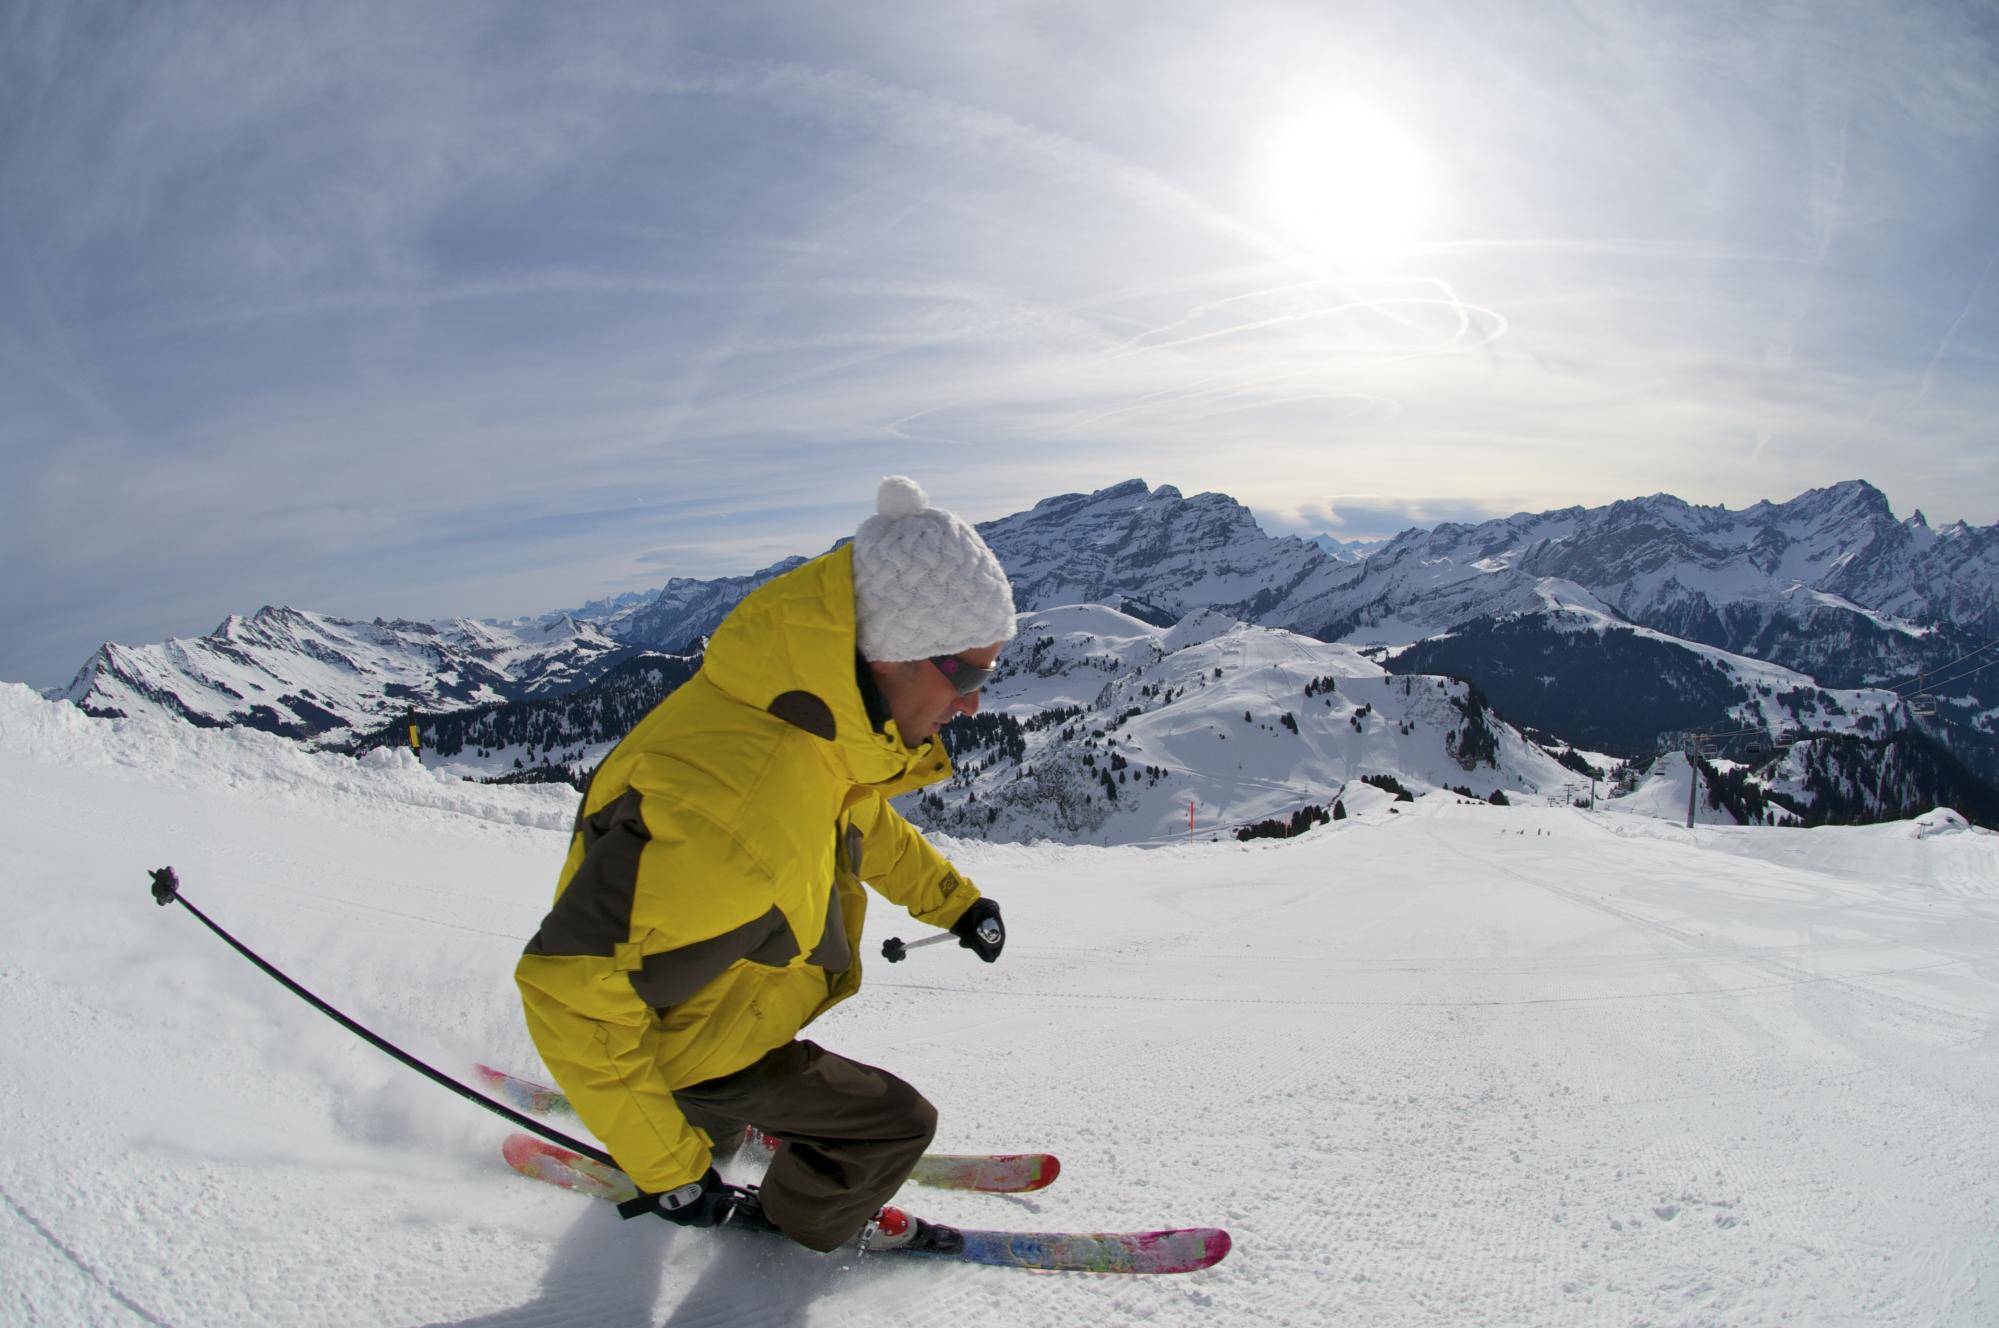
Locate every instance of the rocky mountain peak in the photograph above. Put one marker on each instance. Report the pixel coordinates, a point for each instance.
(1847, 499)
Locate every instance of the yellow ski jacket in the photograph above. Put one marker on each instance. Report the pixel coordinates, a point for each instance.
(711, 903)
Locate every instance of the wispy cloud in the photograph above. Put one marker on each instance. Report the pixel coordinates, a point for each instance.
(380, 308)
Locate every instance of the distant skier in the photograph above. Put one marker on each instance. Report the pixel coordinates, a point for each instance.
(712, 900)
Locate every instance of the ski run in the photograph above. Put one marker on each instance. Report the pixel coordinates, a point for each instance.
(1439, 1063)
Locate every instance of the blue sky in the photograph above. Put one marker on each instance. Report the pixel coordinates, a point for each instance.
(483, 309)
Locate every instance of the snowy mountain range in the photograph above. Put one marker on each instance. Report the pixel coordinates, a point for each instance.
(1346, 551)
(1613, 628)
(1830, 558)
(1830, 583)
(305, 675)
(1830, 588)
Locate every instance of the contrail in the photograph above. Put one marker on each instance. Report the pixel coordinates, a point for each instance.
(1944, 345)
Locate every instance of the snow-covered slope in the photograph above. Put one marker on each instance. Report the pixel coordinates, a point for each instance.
(310, 675)
(1461, 1065)
(1573, 666)
(1123, 725)
(1664, 792)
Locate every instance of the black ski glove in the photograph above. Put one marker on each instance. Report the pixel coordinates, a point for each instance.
(980, 930)
(703, 1203)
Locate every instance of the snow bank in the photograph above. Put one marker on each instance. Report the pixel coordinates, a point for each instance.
(1942, 821)
(168, 750)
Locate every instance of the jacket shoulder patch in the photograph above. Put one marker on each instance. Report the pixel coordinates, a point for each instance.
(805, 711)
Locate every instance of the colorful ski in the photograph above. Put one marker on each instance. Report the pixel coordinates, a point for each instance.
(524, 1094)
(992, 1173)
(536, 1157)
(1177, 1251)
(1187, 1250)
(989, 1173)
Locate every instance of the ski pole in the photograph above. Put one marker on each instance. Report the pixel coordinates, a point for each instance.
(895, 950)
(166, 890)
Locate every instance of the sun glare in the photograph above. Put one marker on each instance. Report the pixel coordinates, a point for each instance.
(1340, 181)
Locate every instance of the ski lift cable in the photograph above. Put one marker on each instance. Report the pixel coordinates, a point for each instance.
(1918, 684)
(1968, 655)
(1929, 686)
(1960, 677)
(1900, 692)
(1710, 736)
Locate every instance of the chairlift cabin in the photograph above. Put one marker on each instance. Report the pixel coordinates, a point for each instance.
(1708, 749)
(1922, 703)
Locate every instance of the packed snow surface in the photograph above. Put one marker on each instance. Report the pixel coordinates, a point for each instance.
(1440, 1063)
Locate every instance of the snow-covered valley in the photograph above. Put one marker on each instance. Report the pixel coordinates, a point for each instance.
(1448, 1063)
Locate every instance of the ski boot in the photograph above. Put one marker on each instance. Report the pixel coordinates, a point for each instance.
(747, 1213)
(893, 1229)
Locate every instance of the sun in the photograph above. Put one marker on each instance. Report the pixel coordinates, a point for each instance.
(1340, 180)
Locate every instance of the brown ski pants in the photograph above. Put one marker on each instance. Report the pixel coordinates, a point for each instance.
(850, 1136)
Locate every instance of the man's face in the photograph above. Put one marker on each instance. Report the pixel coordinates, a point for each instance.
(921, 699)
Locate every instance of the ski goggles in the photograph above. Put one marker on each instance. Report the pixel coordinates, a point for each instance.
(966, 678)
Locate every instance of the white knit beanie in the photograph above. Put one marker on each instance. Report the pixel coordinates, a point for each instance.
(924, 582)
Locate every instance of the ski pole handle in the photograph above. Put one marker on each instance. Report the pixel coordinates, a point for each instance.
(895, 950)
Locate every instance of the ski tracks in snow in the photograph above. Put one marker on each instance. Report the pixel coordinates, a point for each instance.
(1778, 1052)
(1432, 1073)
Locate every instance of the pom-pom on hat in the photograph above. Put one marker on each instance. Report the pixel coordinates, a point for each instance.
(924, 582)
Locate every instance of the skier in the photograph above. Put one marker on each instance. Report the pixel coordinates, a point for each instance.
(711, 903)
